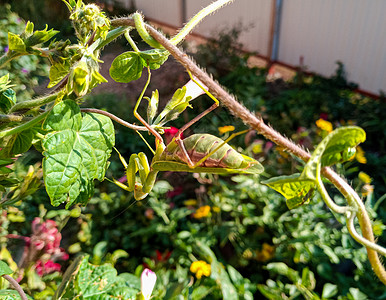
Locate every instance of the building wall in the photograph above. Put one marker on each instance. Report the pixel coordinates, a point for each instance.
(326, 31)
(321, 31)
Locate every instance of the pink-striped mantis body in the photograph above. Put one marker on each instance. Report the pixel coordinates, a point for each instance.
(199, 153)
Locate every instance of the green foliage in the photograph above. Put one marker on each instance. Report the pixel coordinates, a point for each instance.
(76, 149)
(128, 66)
(26, 72)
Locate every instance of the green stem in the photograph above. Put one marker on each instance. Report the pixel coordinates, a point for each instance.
(111, 35)
(140, 26)
(24, 126)
(327, 199)
(7, 57)
(13, 118)
(34, 103)
(359, 238)
(17, 287)
(130, 40)
(379, 201)
(197, 19)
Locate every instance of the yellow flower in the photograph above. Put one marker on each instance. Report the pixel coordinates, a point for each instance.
(360, 156)
(190, 202)
(266, 253)
(200, 268)
(202, 212)
(324, 125)
(225, 129)
(216, 209)
(364, 177)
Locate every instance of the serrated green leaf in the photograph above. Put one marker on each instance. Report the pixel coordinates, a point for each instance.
(57, 72)
(102, 282)
(4, 269)
(10, 295)
(297, 191)
(40, 37)
(76, 152)
(338, 146)
(7, 100)
(15, 43)
(127, 67)
(154, 58)
(17, 143)
(152, 106)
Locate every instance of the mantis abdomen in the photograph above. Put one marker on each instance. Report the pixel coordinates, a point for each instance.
(200, 145)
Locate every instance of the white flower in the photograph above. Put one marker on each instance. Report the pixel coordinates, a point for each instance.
(148, 279)
(193, 90)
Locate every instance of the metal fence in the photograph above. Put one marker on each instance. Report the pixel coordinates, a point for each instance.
(322, 32)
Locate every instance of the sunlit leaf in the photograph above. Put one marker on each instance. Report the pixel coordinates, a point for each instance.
(154, 58)
(297, 191)
(338, 146)
(4, 269)
(15, 43)
(174, 107)
(57, 72)
(76, 152)
(127, 67)
(152, 106)
(7, 100)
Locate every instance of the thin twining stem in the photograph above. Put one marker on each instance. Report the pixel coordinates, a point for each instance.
(351, 228)
(115, 118)
(258, 124)
(17, 287)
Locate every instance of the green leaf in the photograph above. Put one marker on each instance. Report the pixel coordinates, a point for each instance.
(10, 295)
(308, 279)
(154, 58)
(127, 67)
(297, 191)
(174, 107)
(329, 290)
(219, 274)
(338, 146)
(39, 36)
(283, 269)
(15, 43)
(174, 289)
(102, 282)
(76, 152)
(7, 100)
(57, 72)
(4, 269)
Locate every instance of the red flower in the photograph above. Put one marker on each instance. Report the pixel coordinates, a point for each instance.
(177, 191)
(170, 133)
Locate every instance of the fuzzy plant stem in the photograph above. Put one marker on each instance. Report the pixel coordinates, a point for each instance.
(34, 102)
(17, 287)
(258, 124)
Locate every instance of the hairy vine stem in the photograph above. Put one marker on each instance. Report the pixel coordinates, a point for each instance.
(17, 287)
(258, 124)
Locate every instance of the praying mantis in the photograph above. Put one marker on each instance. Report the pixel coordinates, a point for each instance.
(199, 153)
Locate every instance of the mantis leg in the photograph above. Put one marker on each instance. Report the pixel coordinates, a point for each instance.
(142, 187)
(201, 115)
